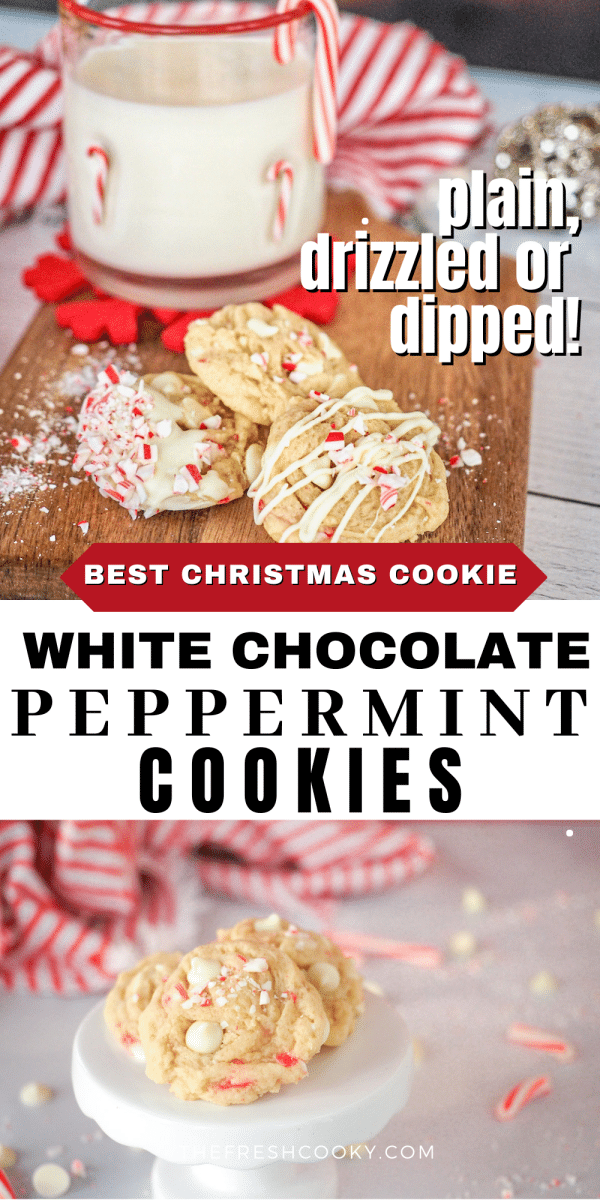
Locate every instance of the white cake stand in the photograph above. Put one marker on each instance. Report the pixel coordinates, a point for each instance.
(281, 1146)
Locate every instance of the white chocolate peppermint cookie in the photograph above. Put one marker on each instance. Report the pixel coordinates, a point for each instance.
(351, 470)
(164, 442)
(132, 992)
(334, 976)
(234, 1021)
(257, 359)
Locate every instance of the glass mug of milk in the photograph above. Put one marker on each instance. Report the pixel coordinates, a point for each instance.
(192, 181)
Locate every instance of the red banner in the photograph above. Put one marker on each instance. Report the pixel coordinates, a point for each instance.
(237, 577)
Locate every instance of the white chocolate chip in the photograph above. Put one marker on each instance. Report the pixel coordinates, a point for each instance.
(264, 998)
(51, 1180)
(473, 901)
(256, 964)
(267, 923)
(462, 944)
(202, 970)
(137, 1052)
(8, 1157)
(543, 983)
(253, 464)
(327, 345)
(325, 976)
(375, 988)
(261, 327)
(312, 366)
(471, 458)
(34, 1094)
(203, 1037)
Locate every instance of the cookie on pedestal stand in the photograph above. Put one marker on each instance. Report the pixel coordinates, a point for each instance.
(282, 1145)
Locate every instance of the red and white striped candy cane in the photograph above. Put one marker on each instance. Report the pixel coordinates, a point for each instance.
(536, 1039)
(5, 1186)
(101, 161)
(519, 1096)
(365, 943)
(284, 171)
(326, 70)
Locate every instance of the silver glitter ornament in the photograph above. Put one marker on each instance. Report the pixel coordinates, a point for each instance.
(557, 141)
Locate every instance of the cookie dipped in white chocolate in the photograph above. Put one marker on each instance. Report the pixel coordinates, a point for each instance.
(164, 442)
(351, 470)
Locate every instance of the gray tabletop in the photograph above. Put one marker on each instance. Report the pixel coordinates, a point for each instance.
(563, 510)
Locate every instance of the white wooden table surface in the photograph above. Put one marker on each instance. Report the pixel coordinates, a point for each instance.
(562, 532)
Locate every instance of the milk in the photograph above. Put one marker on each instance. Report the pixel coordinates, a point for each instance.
(191, 126)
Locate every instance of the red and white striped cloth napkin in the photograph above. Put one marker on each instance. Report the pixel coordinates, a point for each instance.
(407, 109)
(80, 900)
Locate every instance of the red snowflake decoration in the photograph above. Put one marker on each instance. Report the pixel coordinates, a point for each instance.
(55, 278)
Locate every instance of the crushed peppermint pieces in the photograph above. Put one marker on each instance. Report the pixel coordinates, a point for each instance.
(46, 437)
(286, 1060)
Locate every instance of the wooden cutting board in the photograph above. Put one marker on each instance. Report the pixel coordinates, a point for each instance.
(487, 405)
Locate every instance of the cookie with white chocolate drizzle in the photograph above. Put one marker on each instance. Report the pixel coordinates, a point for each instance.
(165, 442)
(334, 976)
(258, 359)
(355, 469)
(234, 1021)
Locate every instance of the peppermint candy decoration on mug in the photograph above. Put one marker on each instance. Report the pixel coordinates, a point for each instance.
(101, 162)
(283, 171)
(326, 69)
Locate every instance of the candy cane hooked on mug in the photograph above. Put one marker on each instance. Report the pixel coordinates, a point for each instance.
(283, 171)
(326, 70)
(99, 157)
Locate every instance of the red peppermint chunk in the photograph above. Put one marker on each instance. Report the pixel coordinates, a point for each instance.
(128, 1040)
(336, 435)
(227, 1084)
(286, 1060)
(454, 461)
(112, 373)
(194, 472)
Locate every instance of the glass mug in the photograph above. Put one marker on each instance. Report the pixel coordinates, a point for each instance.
(182, 144)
